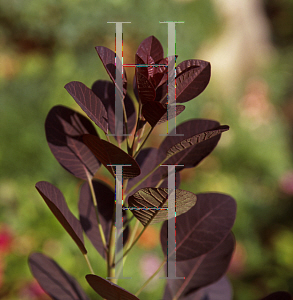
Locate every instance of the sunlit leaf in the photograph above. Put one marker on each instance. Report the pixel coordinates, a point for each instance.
(146, 90)
(89, 103)
(56, 202)
(203, 227)
(57, 283)
(64, 130)
(146, 198)
(107, 289)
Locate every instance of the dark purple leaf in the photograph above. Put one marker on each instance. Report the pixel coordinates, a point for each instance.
(107, 289)
(146, 90)
(278, 296)
(135, 90)
(107, 57)
(149, 47)
(105, 90)
(56, 202)
(196, 153)
(57, 283)
(196, 139)
(203, 227)
(146, 198)
(220, 290)
(161, 93)
(64, 130)
(106, 205)
(89, 103)
(156, 113)
(109, 154)
(204, 270)
(192, 78)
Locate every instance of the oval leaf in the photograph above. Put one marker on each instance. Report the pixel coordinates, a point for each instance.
(105, 90)
(146, 90)
(107, 289)
(192, 78)
(203, 227)
(108, 57)
(89, 103)
(64, 130)
(56, 202)
(196, 139)
(57, 283)
(203, 270)
(151, 204)
(278, 296)
(109, 154)
(87, 214)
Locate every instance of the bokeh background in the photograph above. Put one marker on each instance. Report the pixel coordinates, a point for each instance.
(45, 44)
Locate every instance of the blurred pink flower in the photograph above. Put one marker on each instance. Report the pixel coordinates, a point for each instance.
(286, 183)
(149, 263)
(6, 239)
(33, 291)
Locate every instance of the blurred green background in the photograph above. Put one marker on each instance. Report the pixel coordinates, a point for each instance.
(47, 43)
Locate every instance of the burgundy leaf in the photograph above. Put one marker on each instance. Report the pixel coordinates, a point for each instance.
(196, 139)
(57, 283)
(196, 153)
(64, 130)
(156, 113)
(105, 90)
(220, 290)
(146, 198)
(146, 90)
(278, 296)
(149, 47)
(107, 57)
(106, 205)
(162, 92)
(89, 103)
(203, 227)
(107, 289)
(204, 270)
(56, 202)
(192, 78)
(109, 154)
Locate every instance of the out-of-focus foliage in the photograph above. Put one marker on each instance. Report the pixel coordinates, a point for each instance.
(46, 44)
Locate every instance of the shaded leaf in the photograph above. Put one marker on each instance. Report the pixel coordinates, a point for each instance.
(146, 198)
(106, 205)
(57, 283)
(107, 289)
(196, 153)
(109, 154)
(220, 290)
(192, 78)
(156, 113)
(105, 90)
(203, 270)
(89, 103)
(56, 202)
(107, 57)
(278, 296)
(203, 227)
(64, 130)
(196, 139)
(146, 90)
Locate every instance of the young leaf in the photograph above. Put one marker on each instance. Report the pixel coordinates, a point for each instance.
(109, 154)
(108, 57)
(203, 270)
(278, 296)
(203, 227)
(56, 202)
(220, 290)
(146, 90)
(192, 78)
(196, 139)
(107, 289)
(156, 113)
(106, 206)
(57, 283)
(89, 103)
(105, 90)
(196, 153)
(146, 198)
(64, 130)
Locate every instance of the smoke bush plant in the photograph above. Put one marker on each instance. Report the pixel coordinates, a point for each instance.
(204, 242)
